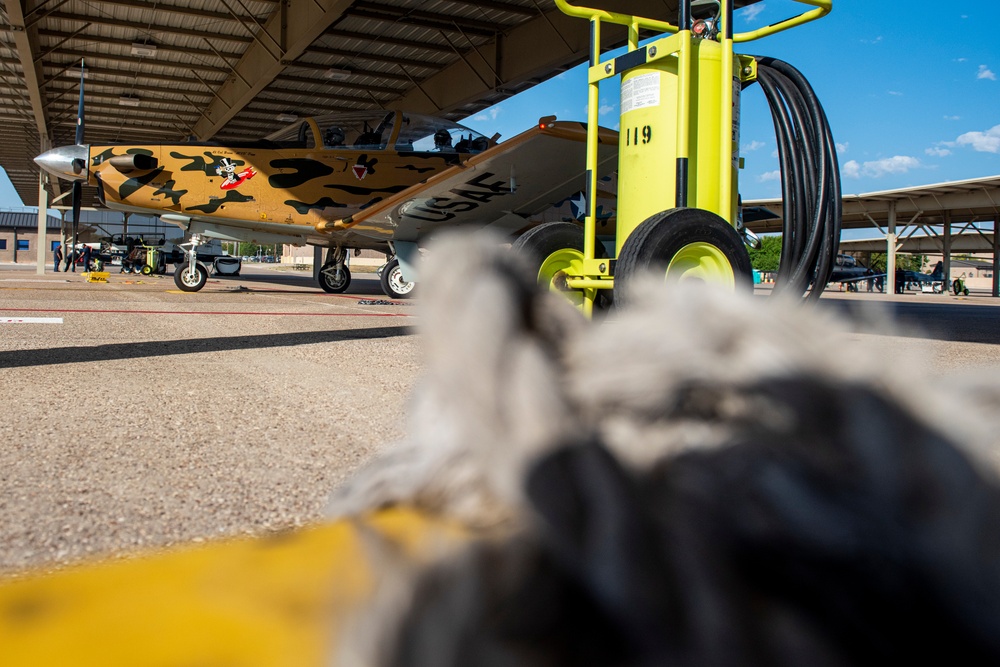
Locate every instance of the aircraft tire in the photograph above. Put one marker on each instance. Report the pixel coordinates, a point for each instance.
(188, 284)
(332, 286)
(392, 281)
(684, 244)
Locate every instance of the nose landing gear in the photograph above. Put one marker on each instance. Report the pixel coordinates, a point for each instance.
(192, 275)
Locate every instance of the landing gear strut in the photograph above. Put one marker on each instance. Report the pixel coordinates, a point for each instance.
(334, 276)
(191, 276)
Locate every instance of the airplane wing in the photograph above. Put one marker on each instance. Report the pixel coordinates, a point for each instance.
(854, 279)
(499, 188)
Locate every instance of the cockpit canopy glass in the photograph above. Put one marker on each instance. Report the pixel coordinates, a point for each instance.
(374, 130)
(427, 134)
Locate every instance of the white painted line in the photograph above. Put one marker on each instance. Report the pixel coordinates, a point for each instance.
(31, 320)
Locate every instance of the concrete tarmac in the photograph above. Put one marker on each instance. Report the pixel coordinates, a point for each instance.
(150, 416)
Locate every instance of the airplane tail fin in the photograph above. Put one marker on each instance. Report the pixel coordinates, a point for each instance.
(938, 273)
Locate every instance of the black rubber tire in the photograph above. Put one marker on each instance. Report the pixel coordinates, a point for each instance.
(539, 243)
(146, 270)
(202, 278)
(328, 284)
(391, 276)
(653, 244)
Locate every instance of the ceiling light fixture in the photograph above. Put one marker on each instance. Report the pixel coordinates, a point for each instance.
(337, 74)
(144, 50)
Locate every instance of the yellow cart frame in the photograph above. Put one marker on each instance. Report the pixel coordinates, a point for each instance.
(712, 106)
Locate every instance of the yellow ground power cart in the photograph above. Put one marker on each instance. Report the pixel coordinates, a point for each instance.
(679, 208)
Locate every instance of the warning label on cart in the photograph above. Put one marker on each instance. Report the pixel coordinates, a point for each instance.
(641, 91)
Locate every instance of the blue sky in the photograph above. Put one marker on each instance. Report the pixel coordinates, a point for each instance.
(912, 91)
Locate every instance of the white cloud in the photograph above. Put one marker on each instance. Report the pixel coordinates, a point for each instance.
(489, 114)
(872, 41)
(953, 118)
(897, 164)
(751, 13)
(986, 73)
(842, 147)
(895, 93)
(770, 176)
(605, 109)
(937, 151)
(961, 60)
(983, 142)
(752, 146)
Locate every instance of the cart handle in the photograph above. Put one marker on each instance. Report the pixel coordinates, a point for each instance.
(821, 9)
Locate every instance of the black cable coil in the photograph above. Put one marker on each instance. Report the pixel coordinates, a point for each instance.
(810, 180)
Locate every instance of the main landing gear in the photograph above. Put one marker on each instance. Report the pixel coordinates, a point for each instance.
(334, 275)
(393, 284)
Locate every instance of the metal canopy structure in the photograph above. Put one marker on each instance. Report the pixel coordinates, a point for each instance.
(166, 70)
(933, 209)
(975, 200)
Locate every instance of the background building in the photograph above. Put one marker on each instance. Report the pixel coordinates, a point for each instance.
(19, 236)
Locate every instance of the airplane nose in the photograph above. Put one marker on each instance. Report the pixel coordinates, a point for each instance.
(69, 162)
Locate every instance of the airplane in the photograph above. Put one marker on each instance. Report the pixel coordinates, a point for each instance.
(934, 281)
(380, 180)
(848, 271)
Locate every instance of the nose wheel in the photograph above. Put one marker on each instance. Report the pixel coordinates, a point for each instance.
(189, 277)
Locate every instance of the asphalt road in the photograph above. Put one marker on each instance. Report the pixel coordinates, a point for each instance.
(149, 416)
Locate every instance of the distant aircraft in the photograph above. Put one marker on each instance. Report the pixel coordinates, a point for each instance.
(935, 281)
(362, 180)
(848, 271)
(847, 268)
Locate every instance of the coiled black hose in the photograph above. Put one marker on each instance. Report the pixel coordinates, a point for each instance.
(810, 180)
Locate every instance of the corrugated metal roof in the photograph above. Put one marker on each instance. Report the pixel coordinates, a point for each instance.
(26, 220)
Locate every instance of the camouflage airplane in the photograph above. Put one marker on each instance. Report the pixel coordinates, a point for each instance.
(362, 180)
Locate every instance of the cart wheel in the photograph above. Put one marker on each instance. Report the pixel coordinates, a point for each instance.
(146, 270)
(190, 281)
(553, 250)
(392, 281)
(331, 284)
(685, 244)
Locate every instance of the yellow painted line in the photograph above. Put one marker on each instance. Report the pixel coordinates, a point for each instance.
(278, 600)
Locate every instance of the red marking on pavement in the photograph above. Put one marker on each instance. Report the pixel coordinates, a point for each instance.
(198, 312)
